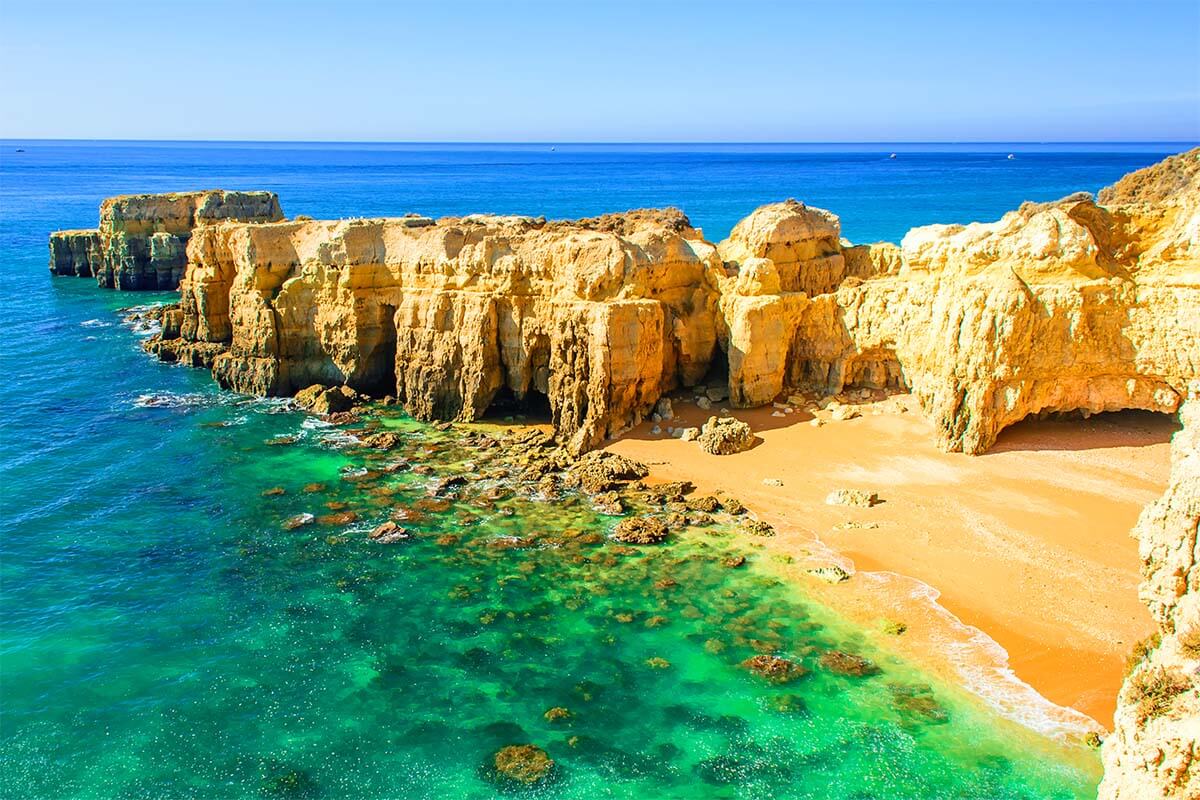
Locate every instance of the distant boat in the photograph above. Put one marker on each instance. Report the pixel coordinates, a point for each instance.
(19, 150)
(893, 155)
(1011, 157)
(552, 149)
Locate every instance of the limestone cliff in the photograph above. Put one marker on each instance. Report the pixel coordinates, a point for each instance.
(142, 239)
(597, 317)
(1069, 306)
(1154, 751)
(1064, 306)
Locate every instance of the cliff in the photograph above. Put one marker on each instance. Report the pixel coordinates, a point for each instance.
(1068, 306)
(142, 239)
(595, 319)
(1154, 750)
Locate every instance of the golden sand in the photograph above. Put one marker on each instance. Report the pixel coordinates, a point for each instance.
(1028, 543)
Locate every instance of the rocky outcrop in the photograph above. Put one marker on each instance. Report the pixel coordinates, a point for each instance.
(1154, 750)
(142, 239)
(596, 318)
(1067, 306)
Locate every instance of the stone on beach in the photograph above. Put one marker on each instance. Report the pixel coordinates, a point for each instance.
(852, 497)
(725, 436)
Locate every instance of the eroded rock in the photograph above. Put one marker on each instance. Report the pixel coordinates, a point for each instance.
(722, 436)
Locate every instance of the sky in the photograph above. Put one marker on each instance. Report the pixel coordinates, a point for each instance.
(593, 71)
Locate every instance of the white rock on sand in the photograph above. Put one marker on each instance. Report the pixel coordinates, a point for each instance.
(852, 497)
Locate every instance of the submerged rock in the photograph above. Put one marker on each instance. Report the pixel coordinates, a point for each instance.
(918, 701)
(641, 530)
(775, 669)
(523, 764)
(557, 714)
(840, 662)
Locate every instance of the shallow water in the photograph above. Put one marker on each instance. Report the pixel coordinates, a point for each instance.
(165, 636)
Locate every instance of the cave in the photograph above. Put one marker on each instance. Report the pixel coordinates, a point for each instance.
(534, 406)
(877, 368)
(718, 369)
(1078, 429)
(379, 373)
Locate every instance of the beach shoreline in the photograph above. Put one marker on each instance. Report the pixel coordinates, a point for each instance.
(1014, 571)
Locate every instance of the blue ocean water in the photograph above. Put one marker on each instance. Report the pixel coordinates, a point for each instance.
(163, 636)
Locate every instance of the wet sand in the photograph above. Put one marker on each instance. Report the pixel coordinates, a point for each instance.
(1028, 543)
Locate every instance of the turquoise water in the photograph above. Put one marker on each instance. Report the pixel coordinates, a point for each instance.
(164, 635)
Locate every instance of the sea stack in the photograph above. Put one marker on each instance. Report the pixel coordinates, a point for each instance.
(142, 239)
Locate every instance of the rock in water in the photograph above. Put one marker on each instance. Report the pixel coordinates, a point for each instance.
(775, 669)
(142, 239)
(641, 530)
(830, 573)
(843, 663)
(321, 400)
(725, 436)
(524, 764)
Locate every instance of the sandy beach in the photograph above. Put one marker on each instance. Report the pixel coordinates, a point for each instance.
(1028, 543)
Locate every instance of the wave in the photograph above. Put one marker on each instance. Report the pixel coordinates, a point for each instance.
(175, 400)
(982, 665)
(95, 323)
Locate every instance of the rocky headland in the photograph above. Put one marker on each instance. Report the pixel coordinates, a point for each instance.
(1069, 306)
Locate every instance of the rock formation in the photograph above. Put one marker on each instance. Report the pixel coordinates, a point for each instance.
(1154, 750)
(597, 318)
(1064, 306)
(1067, 306)
(142, 239)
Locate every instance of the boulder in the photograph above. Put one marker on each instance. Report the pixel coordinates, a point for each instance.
(722, 436)
(852, 497)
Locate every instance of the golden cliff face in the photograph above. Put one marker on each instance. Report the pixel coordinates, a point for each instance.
(600, 317)
(1154, 750)
(1063, 306)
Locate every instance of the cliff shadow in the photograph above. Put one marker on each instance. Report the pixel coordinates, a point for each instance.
(1071, 431)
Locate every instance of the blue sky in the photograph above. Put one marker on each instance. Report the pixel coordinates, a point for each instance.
(837, 70)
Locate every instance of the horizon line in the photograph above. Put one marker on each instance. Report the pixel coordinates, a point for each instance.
(563, 142)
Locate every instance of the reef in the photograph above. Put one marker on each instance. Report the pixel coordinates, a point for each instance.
(142, 239)
(1077, 305)
(1154, 750)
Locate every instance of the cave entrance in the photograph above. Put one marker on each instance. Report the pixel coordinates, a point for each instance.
(379, 378)
(1077, 430)
(717, 374)
(534, 406)
(875, 369)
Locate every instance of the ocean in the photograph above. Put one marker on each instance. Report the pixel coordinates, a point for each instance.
(165, 635)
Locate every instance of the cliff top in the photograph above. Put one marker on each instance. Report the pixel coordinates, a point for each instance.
(1157, 183)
